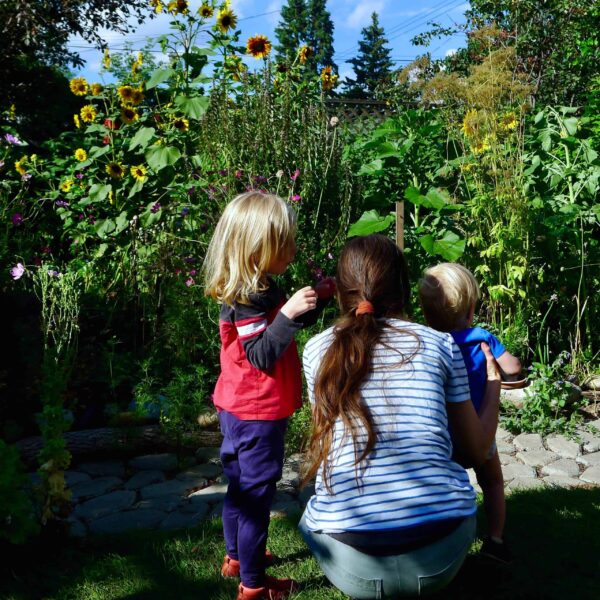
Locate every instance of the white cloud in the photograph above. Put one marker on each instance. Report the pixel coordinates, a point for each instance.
(361, 15)
(450, 52)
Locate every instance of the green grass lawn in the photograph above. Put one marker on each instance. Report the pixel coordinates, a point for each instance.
(554, 534)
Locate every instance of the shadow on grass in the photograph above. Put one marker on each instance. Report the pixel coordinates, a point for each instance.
(553, 533)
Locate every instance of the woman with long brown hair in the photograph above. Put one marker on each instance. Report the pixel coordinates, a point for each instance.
(393, 515)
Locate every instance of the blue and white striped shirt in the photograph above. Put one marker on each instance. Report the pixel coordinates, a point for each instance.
(409, 478)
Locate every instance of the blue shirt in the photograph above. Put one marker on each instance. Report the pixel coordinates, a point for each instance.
(469, 341)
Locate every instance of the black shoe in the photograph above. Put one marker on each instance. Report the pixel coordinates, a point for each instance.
(496, 551)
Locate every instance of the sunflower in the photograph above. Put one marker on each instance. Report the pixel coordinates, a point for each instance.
(139, 172)
(509, 121)
(137, 96)
(96, 89)
(226, 20)
(158, 6)
(79, 86)
(80, 154)
(106, 59)
(181, 124)
(178, 7)
(19, 166)
(304, 53)
(129, 115)
(126, 93)
(258, 46)
(115, 170)
(77, 121)
(88, 113)
(111, 197)
(470, 124)
(328, 78)
(235, 66)
(206, 11)
(66, 185)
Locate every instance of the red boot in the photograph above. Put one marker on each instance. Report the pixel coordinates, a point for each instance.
(274, 589)
(231, 567)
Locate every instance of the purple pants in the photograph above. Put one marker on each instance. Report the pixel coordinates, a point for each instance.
(252, 458)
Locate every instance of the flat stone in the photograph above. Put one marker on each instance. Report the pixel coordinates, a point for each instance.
(163, 503)
(591, 475)
(562, 482)
(205, 471)
(594, 424)
(592, 383)
(193, 505)
(564, 467)
(95, 487)
(129, 520)
(74, 477)
(517, 471)
(107, 468)
(211, 494)
(525, 483)
(537, 458)
(507, 459)
(144, 478)
(503, 434)
(204, 455)
(515, 397)
(591, 442)
(528, 441)
(589, 460)
(173, 487)
(561, 445)
(290, 477)
(505, 447)
(105, 505)
(154, 462)
(182, 520)
(76, 529)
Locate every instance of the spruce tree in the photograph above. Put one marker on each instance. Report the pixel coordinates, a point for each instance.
(320, 35)
(372, 65)
(291, 31)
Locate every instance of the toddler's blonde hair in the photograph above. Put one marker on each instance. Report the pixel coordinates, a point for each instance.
(254, 229)
(447, 292)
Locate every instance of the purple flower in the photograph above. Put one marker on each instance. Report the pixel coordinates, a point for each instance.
(61, 203)
(81, 216)
(295, 175)
(223, 172)
(79, 175)
(13, 139)
(185, 210)
(193, 272)
(191, 190)
(155, 208)
(17, 271)
(189, 259)
(53, 273)
(189, 281)
(296, 198)
(26, 177)
(1, 163)
(260, 179)
(17, 219)
(238, 174)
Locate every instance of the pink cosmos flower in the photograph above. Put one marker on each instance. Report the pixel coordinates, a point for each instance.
(296, 198)
(189, 281)
(295, 175)
(17, 271)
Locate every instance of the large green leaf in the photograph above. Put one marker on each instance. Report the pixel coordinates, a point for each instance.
(99, 191)
(370, 222)
(450, 246)
(158, 77)
(159, 157)
(104, 227)
(437, 198)
(375, 167)
(193, 107)
(121, 222)
(142, 138)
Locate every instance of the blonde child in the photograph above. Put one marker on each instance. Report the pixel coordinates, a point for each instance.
(449, 294)
(259, 386)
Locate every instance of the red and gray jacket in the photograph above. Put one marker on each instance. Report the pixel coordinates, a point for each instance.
(260, 369)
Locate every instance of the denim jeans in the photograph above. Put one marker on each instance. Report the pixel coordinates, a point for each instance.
(415, 573)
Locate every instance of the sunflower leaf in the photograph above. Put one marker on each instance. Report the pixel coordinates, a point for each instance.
(370, 222)
(142, 137)
(158, 77)
(159, 157)
(192, 106)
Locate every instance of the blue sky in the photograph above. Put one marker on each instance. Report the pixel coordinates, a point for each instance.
(401, 19)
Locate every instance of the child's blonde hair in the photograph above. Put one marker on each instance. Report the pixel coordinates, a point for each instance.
(254, 229)
(447, 292)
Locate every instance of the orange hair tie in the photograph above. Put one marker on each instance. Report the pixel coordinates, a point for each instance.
(364, 308)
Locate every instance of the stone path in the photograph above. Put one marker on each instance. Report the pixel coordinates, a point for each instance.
(154, 492)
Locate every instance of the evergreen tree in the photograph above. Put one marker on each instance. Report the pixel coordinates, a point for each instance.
(373, 64)
(320, 35)
(292, 29)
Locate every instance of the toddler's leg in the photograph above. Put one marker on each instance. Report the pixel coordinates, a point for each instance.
(231, 468)
(489, 477)
(260, 455)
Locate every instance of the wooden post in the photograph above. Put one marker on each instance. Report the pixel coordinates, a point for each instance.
(400, 225)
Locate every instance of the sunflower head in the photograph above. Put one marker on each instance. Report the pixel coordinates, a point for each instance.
(88, 113)
(96, 89)
(206, 11)
(137, 96)
(470, 124)
(328, 78)
(235, 66)
(226, 20)
(304, 53)
(258, 46)
(181, 124)
(80, 154)
(79, 86)
(106, 59)
(509, 121)
(20, 166)
(139, 172)
(66, 185)
(129, 115)
(77, 121)
(157, 5)
(125, 93)
(115, 170)
(178, 7)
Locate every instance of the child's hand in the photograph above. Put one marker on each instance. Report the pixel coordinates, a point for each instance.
(493, 372)
(301, 302)
(325, 288)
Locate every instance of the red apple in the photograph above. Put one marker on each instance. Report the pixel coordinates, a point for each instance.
(325, 288)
